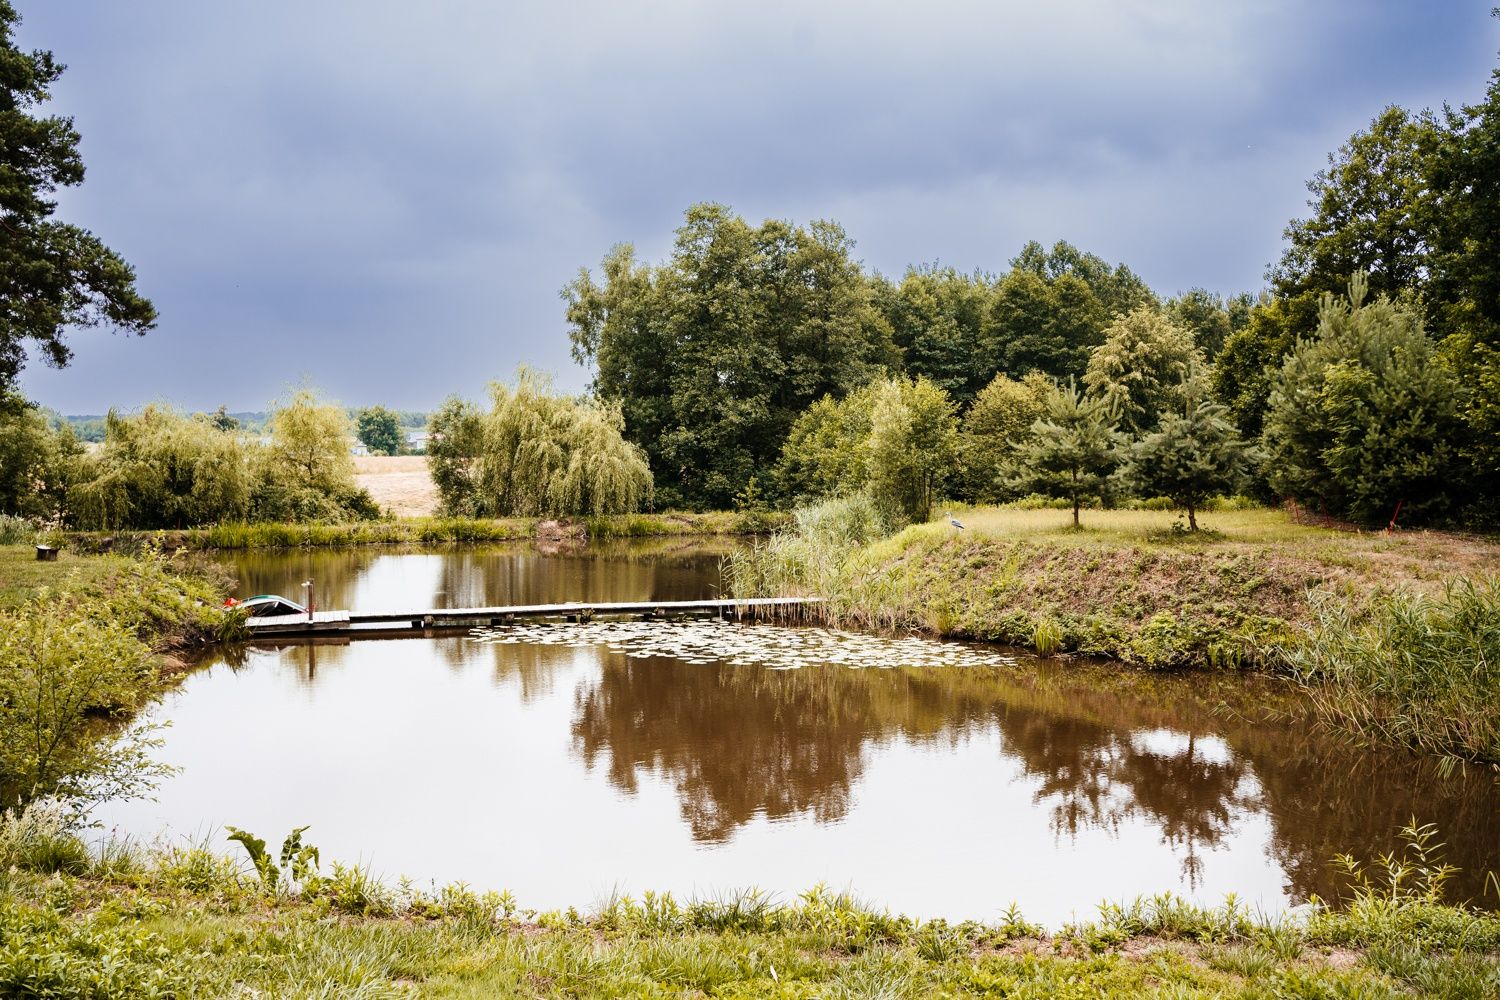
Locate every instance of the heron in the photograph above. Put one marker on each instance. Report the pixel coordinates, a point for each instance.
(954, 521)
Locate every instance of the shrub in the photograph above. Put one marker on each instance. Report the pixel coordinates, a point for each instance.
(59, 671)
(1363, 417)
(16, 530)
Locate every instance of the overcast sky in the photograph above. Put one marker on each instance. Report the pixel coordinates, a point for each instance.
(386, 197)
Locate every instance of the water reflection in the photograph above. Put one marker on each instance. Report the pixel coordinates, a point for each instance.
(388, 578)
(1059, 783)
(1098, 749)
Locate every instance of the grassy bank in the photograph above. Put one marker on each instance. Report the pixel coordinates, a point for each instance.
(421, 530)
(1127, 586)
(184, 921)
(1367, 619)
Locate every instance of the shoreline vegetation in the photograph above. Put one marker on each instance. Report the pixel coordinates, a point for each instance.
(424, 530)
(1397, 637)
(122, 920)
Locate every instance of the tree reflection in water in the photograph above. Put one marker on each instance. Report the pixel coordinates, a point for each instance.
(1192, 756)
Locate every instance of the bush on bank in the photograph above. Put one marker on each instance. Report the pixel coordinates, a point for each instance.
(78, 661)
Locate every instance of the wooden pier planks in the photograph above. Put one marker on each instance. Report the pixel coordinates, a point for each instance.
(335, 621)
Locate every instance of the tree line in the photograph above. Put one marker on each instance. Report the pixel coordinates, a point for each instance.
(1366, 379)
(161, 468)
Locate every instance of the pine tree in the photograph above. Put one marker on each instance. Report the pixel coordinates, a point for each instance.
(1194, 454)
(1073, 449)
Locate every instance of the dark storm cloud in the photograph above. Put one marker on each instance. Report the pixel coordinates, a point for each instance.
(387, 197)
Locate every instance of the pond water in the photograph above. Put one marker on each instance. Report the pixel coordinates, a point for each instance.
(569, 762)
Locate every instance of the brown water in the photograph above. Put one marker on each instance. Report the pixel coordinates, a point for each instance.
(565, 770)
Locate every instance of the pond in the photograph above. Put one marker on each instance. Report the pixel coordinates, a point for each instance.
(569, 762)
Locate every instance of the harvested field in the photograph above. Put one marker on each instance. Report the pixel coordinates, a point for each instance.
(399, 482)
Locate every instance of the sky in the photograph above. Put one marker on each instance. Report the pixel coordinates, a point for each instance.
(384, 199)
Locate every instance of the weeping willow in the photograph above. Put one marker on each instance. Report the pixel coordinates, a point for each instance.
(534, 454)
(161, 469)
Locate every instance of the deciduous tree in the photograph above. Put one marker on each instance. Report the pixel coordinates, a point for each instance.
(993, 430)
(379, 430)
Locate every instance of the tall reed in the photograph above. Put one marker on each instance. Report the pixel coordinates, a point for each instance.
(1415, 670)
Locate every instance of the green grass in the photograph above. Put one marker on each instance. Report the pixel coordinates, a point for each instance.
(422, 530)
(122, 921)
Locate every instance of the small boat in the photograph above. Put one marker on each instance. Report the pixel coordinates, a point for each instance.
(270, 606)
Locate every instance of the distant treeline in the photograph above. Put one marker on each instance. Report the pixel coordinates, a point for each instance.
(90, 427)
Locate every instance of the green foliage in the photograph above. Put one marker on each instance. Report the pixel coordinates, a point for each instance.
(298, 861)
(1246, 366)
(52, 275)
(41, 837)
(59, 671)
(1361, 417)
(939, 319)
(1205, 315)
(307, 473)
(1050, 310)
(35, 460)
(379, 430)
(807, 557)
(712, 355)
(1141, 368)
(1072, 450)
(535, 453)
(1373, 211)
(993, 429)
(894, 439)
(16, 530)
(1416, 671)
(1195, 454)
(160, 469)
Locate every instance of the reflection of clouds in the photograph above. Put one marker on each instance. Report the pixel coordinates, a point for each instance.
(1172, 743)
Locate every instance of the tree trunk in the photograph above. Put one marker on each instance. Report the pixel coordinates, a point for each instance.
(1076, 505)
(1192, 521)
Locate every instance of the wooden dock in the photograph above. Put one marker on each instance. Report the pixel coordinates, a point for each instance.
(326, 623)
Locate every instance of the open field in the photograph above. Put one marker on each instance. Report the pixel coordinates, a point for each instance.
(398, 483)
(1421, 558)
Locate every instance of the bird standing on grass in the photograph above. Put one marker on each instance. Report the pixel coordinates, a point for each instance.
(954, 521)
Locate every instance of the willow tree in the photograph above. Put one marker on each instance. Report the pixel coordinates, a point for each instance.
(161, 469)
(534, 454)
(307, 472)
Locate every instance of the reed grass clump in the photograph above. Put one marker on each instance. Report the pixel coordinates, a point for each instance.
(1047, 637)
(1415, 670)
(16, 530)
